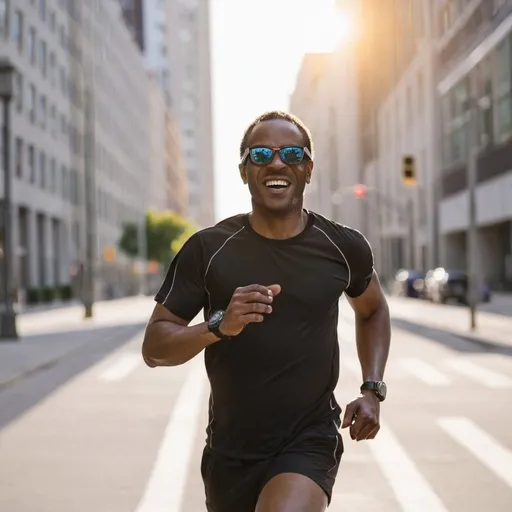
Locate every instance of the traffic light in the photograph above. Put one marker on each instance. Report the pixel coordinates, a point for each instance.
(408, 171)
(360, 190)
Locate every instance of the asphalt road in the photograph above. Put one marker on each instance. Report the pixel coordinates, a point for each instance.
(100, 431)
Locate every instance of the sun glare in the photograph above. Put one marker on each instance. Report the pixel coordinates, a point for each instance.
(327, 27)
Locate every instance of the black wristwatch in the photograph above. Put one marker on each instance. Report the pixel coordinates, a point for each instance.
(378, 387)
(214, 323)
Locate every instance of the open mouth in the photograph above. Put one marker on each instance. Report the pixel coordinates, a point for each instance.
(277, 184)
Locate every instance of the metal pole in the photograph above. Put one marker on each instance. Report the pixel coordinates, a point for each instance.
(8, 315)
(472, 248)
(90, 211)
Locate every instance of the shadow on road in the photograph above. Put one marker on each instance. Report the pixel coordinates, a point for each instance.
(35, 386)
(456, 342)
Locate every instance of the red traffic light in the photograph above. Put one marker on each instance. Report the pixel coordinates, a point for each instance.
(360, 190)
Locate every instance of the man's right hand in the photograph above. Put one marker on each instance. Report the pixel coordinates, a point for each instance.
(249, 304)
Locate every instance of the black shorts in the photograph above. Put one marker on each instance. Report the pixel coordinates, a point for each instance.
(234, 485)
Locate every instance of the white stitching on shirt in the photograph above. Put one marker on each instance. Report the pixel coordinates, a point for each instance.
(341, 252)
(210, 427)
(172, 284)
(210, 262)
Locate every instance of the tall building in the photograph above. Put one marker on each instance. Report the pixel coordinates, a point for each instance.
(81, 139)
(474, 42)
(397, 105)
(151, 25)
(190, 84)
(325, 98)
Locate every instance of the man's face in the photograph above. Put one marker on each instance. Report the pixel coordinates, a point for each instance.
(276, 134)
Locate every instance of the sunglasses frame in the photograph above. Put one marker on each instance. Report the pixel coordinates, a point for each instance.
(248, 150)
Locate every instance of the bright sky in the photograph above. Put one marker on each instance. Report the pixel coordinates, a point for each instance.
(257, 48)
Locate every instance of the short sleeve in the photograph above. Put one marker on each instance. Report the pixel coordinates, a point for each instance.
(360, 260)
(183, 292)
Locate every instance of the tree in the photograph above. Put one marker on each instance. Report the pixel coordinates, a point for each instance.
(166, 232)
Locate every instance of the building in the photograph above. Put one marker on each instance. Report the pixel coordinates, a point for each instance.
(325, 98)
(81, 144)
(177, 183)
(158, 150)
(397, 105)
(190, 84)
(152, 23)
(475, 60)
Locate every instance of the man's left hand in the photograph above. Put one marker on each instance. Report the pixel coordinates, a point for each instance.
(362, 416)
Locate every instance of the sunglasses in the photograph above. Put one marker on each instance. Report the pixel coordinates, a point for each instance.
(263, 155)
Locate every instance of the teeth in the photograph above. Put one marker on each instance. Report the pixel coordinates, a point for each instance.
(276, 183)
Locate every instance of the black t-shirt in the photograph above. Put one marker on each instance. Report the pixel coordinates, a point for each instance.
(276, 377)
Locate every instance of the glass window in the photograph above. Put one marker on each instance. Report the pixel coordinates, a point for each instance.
(503, 91)
(17, 30)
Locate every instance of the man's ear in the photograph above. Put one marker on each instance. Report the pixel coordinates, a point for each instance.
(309, 171)
(243, 173)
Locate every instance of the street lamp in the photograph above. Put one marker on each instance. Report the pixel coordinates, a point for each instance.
(7, 315)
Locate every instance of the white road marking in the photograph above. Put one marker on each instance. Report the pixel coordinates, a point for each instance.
(120, 368)
(485, 448)
(165, 489)
(424, 372)
(481, 375)
(411, 489)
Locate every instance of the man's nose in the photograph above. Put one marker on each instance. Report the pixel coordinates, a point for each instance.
(276, 162)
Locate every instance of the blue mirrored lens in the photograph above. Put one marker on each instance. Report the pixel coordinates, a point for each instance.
(261, 156)
(292, 155)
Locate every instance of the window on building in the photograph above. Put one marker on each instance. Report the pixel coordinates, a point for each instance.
(42, 57)
(17, 30)
(42, 111)
(41, 7)
(42, 169)
(3, 17)
(32, 45)
(18, 84)
(31, 164)
(33, 103)
(503, 91)
(53, 175)
(484, 93)
(18, 157)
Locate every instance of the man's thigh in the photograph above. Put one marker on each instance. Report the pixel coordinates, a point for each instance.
(301, 479)
(292, 492)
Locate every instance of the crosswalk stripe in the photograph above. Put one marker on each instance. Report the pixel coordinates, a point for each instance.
(481, 375)
(165, 489)
(125, 364)
(481, 445)
(424, 372)
(411, 489)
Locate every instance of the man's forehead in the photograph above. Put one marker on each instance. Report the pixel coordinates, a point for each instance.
(275, 132)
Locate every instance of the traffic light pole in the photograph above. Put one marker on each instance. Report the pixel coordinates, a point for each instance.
(472, 235)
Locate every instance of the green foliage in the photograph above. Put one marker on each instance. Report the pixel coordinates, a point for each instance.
(166, 232)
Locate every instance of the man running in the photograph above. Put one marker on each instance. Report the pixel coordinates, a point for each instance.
(269, 283)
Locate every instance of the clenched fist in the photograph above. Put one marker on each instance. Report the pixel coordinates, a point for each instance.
(248, 304)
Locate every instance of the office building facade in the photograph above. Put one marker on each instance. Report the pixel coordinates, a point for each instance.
(474, 46)
(81, 144)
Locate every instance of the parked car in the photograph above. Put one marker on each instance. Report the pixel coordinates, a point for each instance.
(443, 285)
(409, 283)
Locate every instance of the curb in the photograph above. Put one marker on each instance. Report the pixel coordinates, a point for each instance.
(34, 370)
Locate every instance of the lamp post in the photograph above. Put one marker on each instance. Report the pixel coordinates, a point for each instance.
(7, 315)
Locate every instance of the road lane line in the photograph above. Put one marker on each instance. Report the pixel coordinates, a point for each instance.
(166, 485)
(424, 372)
(411, 489)
(481, 375)
(120, 368)
(481, 445)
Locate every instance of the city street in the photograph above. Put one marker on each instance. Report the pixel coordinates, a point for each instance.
(96, 430)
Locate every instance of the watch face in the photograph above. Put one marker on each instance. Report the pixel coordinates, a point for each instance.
(382, 389)
(216, 317)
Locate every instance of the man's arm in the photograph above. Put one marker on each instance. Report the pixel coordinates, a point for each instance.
(373, 330)
(170, 341)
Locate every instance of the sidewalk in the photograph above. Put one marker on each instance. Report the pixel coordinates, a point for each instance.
(48, 337)
(492, 329)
